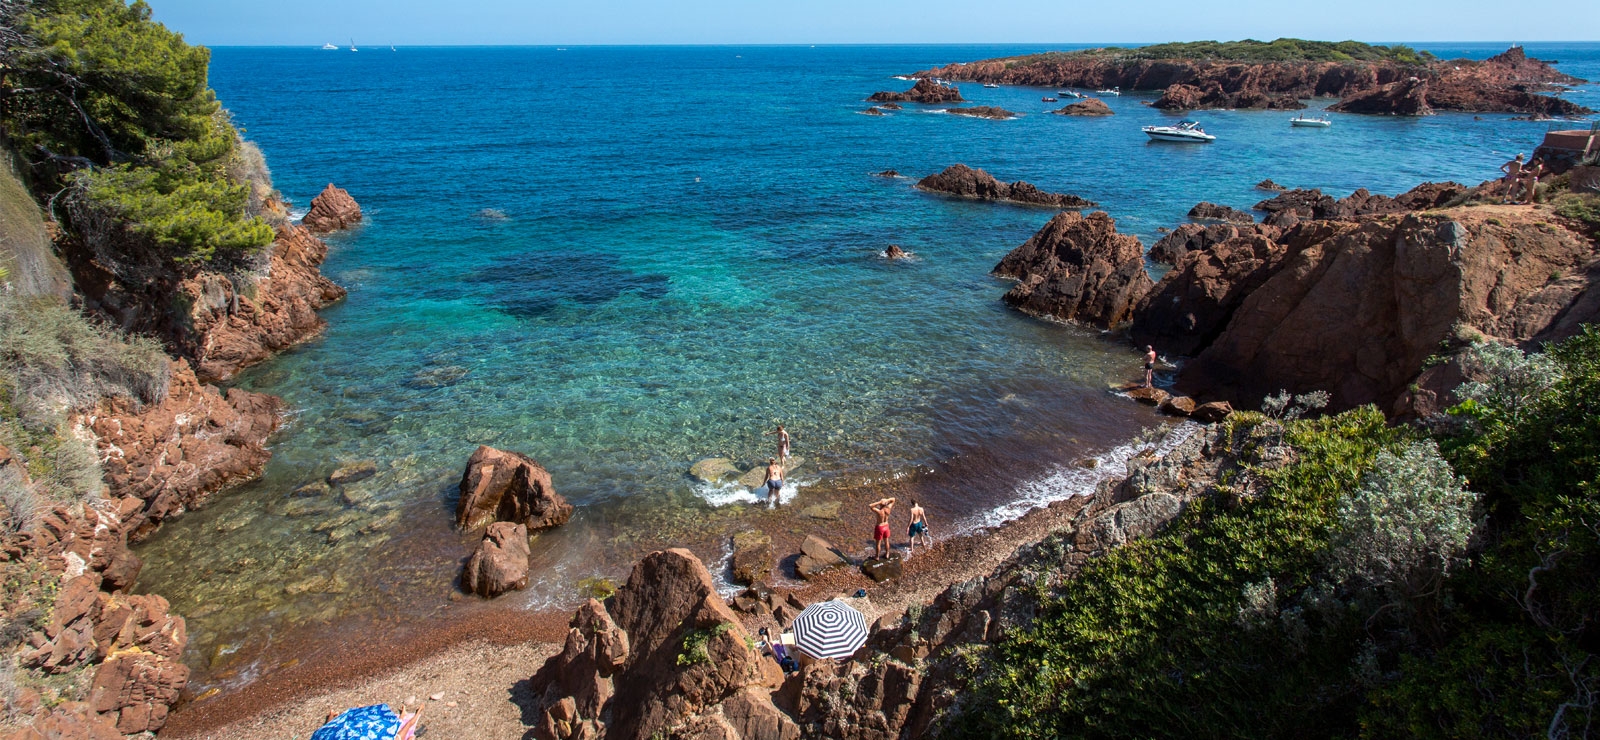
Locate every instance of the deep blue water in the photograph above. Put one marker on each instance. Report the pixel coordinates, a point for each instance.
(682, 251)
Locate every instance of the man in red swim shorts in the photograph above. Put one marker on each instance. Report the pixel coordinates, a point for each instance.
(882, 507)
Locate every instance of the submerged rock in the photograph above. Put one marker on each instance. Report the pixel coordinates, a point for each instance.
(356, 471)
(883, 569)
(500, 563)
(713, 470)
(500, 486)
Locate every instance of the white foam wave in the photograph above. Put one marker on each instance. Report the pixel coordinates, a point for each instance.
(722, 494)
(722, 572)
(1067, 481)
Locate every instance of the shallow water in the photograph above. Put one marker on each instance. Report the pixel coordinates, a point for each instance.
(623, 260)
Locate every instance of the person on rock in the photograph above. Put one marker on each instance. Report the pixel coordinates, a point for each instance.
(919, 528)
(783, 442)
(880, 534)
(1508, 183)
(1530, 181)
(773, 480)
(1149, 365)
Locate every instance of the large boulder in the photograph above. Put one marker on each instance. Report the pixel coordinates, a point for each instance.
(752, 556)
(1207, 211)
(924, 91)
(500, 486)
(500, 563)
(1077, 268)
(1086, 107)
(664, 649)
(333, 209)
(962, 181)
(817, 556)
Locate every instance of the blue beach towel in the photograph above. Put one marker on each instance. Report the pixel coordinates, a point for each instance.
(377, 722)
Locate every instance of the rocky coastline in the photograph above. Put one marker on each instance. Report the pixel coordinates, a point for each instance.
(1509, 82)
(961, 181)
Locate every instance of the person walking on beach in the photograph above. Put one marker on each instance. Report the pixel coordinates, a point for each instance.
(773, 480)
(919, 528)
(1508, 184)
(783, 442)
(1149, 365)
(880, 534)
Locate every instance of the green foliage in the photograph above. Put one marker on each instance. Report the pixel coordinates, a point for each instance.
(1249, 50)
(101, 97)
(597, 588)
(694, 644)
(1581, 207)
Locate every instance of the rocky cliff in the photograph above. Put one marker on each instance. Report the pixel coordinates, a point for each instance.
(1508, 82)
(1077, 268)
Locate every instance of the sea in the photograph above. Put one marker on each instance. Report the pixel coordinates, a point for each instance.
(623, 260)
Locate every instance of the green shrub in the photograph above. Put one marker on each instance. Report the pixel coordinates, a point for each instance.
(190, 221)
(1581, 207)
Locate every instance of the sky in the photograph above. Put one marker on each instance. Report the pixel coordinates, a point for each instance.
(576, 22)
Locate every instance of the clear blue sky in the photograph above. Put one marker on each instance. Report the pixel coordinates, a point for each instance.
(415, 22)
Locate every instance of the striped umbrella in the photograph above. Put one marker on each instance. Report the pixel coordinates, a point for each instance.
(830, 629)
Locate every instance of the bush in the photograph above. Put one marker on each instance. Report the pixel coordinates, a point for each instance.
(55, 361)
(1581, 207)
(19, 505)
(187, 220)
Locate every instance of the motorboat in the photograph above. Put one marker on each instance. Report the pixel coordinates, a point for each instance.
(1187, 131)
(1048, 100)
(1068, 94)
(1310, 122)
(330, 47)
(1112, 91)
(991, 85)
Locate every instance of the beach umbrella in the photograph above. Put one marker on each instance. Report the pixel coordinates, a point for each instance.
(377, 722)
(829, 629)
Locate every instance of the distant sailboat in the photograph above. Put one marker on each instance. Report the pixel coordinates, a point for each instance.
(353, 45)
(391, 47)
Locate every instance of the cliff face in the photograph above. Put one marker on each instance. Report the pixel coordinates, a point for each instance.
(1508, 82)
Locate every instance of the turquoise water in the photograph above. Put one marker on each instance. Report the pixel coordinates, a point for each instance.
(623, 260)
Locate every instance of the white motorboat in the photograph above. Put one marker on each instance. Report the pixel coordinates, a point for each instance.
(1310, 122)
(330, 47)
(1113, 91)
(1069, 93)
(991, 84)
(1187, 131)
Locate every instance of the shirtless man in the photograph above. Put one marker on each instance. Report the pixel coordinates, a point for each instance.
(1530, 181)
(1508, 184)
(919, 528)
(773, 480)
(880, 534)
(1149, 365)
(783, 442)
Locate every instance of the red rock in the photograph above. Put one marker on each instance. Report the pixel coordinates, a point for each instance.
(816, 556)
(229, 327)
(333, 209)
(1211, 413)
(500, 563)
(1087, 107)
(962, 181)
(924, 91)
(1178, 406)
(894, 252)
(508, 487)
(990, 112)
(1205, 211)
(138, 688)
(70, 721)
(1148, 396)
(173, 455)
(1077, 268)
(1205, 287)
(1408, 97)
(752, 556)
(1188, 238)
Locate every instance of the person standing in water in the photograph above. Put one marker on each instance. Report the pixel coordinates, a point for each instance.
(919, 528)
(880, 535)
(783, 442)
(1149, 365)
(773, 480)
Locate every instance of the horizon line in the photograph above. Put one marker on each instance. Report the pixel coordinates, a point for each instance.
(313, 45)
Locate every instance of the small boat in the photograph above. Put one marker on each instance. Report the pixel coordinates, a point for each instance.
(1312, 122)
(991, 84)
(1048, 100)
(353, 45)
(330, 47)
(1068, 94)
(1112, 91)
(1187, 131)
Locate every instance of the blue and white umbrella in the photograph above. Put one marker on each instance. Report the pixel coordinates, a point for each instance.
(377, 722)
(830, 629)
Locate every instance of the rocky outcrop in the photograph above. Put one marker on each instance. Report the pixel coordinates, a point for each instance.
(131, 645)
(1207, 211)
(1086, 107)
(924, 91)
(752, 556)
(894, 252)
(500, 563)
(962, 181)
(500, 486)
(1356, 307)
(817, 556)
(663, 657)
(231, 323)
(1077, 268)
(1188, 238)
(874, 111)
(1408, 97)
(333, 209)
(174, 454)
(1508, 82)
(1269, 185)
(990, 112)
(1293, 206)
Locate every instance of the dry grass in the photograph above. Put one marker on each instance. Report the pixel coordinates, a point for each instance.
(58, 361)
